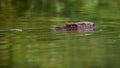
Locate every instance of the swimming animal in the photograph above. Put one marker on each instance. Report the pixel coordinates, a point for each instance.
(78, 27)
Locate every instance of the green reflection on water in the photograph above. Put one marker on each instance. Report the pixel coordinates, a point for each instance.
(37, 46)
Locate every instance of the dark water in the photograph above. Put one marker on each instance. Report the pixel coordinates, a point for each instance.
(37, 46)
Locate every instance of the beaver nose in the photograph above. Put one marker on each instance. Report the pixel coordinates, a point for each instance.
(94, 26)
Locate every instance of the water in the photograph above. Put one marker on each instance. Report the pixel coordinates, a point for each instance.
(37, 46)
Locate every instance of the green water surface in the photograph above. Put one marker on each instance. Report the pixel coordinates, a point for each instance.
(37, 46)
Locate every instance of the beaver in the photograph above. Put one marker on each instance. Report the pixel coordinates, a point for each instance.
(78, 27)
